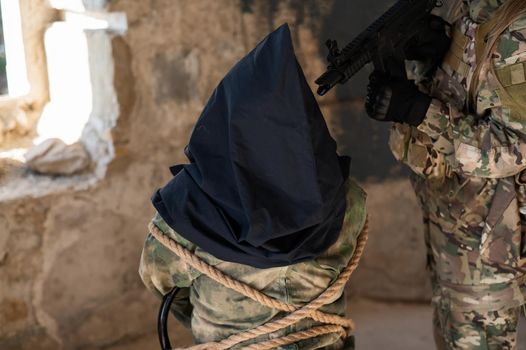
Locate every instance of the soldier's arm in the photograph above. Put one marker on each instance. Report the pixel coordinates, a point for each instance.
(493, 146)
(161, 270)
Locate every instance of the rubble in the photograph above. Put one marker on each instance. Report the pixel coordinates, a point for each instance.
(54, 157)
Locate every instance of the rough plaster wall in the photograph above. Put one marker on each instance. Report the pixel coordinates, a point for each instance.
(68, 262)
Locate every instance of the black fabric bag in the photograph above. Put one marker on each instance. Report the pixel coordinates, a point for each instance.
(265, 186)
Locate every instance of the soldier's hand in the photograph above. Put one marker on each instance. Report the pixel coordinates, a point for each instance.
(397, 100)
(431, 43)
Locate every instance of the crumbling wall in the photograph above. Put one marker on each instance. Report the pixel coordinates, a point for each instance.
(68, 261)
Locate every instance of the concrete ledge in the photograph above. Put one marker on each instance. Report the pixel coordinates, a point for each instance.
(17, 182)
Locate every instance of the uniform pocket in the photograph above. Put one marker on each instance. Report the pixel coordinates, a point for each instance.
(469, 200)
(423, 158)
(511, 90)
(502, 237)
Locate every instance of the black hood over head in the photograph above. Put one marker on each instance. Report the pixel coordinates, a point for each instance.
(265, 186)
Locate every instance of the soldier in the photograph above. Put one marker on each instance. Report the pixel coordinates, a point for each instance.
(463, 134)
(265, 200)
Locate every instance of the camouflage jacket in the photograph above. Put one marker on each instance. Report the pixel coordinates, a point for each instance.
(485, 142)
(469, 158)
(215, 312)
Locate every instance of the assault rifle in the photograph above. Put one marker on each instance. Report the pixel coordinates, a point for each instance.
(382, 43)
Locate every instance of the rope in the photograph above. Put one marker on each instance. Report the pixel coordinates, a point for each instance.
(333, 323)
(296, 337)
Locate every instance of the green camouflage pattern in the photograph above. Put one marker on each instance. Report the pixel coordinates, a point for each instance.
(215, 312)
(467, 164)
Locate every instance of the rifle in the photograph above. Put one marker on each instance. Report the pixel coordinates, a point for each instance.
(382, 43)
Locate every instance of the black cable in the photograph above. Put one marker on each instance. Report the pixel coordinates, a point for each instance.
(162, 320)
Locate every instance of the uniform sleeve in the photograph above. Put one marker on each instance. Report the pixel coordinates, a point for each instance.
(161, 270)
(492, 146)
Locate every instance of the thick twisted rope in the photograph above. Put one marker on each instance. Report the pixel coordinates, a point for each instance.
(282, 341)
(298, 336)
(334, 323)
(305, 311)
(188, 257)
(252, 293)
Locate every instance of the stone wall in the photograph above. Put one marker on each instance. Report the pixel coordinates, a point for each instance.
(68, 261)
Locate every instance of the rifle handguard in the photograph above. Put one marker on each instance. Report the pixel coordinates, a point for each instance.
(363, 49)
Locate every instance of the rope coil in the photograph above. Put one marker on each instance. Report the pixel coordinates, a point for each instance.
(332, 323)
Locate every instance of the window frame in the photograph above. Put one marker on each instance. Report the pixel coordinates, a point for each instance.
(100, 26)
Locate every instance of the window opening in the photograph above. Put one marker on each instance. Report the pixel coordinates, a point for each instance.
(82, 109)
(13, 74)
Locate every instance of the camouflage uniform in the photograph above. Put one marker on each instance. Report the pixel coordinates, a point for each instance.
(215, 312)
(467, 175)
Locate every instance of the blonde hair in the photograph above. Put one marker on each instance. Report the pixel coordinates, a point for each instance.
(509, 12)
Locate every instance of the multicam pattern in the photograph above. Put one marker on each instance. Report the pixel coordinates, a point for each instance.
(494, 330)
(467, 169)
(215, 312)
(481, 10)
